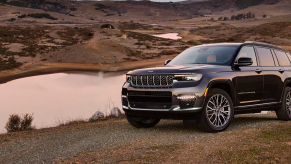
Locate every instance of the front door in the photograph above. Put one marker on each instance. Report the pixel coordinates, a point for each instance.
(249, 80)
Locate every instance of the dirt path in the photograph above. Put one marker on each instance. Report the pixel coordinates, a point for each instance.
(169, 142)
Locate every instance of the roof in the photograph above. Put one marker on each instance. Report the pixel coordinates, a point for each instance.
(263, 44)
(247, 43)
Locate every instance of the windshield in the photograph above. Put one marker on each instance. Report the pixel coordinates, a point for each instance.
(215, 55)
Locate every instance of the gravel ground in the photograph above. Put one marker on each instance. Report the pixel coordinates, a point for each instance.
(122, 143)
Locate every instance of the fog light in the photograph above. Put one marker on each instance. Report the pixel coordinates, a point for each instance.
(186, 97)
(124, 101)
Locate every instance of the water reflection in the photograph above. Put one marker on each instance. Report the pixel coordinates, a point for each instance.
(60, 97)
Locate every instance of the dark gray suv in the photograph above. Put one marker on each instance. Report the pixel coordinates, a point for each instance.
(210, 84)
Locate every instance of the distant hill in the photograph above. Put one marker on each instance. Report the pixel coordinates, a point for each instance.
(242, 4)
(137, 9)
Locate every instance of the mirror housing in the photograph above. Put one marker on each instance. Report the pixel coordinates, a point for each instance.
(244, 61)
(167, 61)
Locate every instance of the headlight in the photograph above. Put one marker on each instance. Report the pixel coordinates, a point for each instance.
(190, 77)
(128, 78)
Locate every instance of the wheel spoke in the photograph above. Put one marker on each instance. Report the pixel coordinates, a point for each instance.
(225, 106)
(224, 118)
(212, 103)
(210, 108)
(288, 103)
(219, 121)
(225, 112)
(212, 116)
(222, 101)
(214, 120)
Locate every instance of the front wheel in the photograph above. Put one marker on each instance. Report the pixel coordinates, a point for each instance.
(285, 112)
(142, 122)
(217, 111)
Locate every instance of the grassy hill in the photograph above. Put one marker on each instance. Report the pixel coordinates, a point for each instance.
(42, 31)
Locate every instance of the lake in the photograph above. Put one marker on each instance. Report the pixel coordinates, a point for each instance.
(60, 97)
(173, 36)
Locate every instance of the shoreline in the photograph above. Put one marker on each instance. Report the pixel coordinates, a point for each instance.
(49, 68)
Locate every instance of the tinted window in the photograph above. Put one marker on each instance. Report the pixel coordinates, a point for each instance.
(249, 52)
(215, 55)
(265, 57)
(282, 58)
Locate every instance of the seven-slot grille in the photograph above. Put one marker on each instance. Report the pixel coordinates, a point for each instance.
(152, 80)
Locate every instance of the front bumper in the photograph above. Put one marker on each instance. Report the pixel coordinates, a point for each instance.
(175, 111)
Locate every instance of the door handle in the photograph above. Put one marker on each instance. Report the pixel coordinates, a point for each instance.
(281, 71)
(258, 71)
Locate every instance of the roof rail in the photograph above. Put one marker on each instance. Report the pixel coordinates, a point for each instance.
(262, 43)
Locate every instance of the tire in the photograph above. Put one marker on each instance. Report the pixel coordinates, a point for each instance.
(142, 122)
(217, 111)
(284, 113)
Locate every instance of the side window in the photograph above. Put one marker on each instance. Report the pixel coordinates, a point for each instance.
(248, 52)
(265, 56)
(282, 58)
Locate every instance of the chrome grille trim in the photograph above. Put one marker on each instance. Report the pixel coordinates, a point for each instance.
(152, 80)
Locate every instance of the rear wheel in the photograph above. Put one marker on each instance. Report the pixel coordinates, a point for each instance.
(217, 112)
(285, 112)
(142, 122)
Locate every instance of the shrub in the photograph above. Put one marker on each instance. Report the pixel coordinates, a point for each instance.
(42, 15)
(73, 8)
(13, 123)
(107, 15)
(22, 16)
(168, 52)
(107, 26)
(16, 123)
(9, 63)
(26, 122)
(12, 19)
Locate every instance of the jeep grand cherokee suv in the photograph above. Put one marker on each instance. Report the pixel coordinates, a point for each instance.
(210, 84)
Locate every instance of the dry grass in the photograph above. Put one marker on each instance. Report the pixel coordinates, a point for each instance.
(228, 33)
(168, 52)
(269, 146)
(30, 37)
(84, 121)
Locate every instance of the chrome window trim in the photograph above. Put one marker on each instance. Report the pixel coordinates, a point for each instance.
(258, 105)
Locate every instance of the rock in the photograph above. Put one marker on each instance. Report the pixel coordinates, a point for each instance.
(115, 112)
(98, 115)
(124, 37)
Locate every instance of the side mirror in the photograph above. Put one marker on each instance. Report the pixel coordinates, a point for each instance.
(167, 61)
(244, 61)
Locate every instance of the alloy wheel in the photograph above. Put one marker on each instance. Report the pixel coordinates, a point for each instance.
(288, 103)
(218, 110)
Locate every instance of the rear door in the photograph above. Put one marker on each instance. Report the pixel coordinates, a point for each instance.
(249, 80)
(273, 75)
(288, 69)
(284, 62)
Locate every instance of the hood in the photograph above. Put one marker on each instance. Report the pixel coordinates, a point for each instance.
(197, 68)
